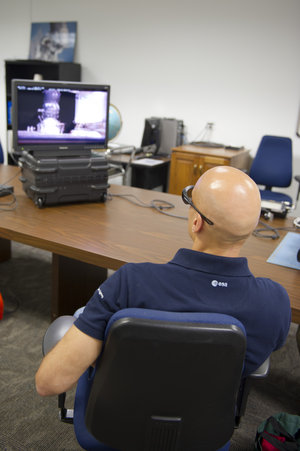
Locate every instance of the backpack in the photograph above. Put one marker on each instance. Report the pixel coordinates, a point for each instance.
(279, 432)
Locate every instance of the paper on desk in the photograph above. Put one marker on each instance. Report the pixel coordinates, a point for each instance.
(148, 162)
(285, 253)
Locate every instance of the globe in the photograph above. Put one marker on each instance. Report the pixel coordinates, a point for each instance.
(114, 122)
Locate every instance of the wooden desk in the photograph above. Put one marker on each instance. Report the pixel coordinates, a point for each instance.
(85, 239)
(189, 161)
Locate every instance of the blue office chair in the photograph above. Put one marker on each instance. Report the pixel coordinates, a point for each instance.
(272, 167)
(164, 381)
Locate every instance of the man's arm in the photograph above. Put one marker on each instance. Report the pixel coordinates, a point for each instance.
(66, 362)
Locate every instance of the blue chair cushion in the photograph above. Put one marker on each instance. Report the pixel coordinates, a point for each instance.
(275, 196)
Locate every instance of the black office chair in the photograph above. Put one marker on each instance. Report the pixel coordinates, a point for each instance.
(272, 167)
(165, 381)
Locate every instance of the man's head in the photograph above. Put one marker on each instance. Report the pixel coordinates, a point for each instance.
(229, 199)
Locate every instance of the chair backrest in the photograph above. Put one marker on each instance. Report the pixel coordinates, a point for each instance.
(272, 164)
(166, 381)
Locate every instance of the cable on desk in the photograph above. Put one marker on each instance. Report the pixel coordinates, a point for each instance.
(13, 177)
(10, 205)
(267, 231)
(157, 204)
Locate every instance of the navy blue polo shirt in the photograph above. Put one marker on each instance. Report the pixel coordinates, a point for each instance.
(197, 282)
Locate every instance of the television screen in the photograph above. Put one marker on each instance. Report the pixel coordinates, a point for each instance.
(59, 116)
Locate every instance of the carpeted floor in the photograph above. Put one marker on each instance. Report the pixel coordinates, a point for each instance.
(30, 423)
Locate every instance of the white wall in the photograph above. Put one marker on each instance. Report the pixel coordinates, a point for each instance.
(232, 62)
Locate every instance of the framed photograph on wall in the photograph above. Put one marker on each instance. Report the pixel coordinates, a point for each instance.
(53, 41)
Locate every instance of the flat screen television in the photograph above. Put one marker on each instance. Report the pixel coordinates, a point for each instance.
(59, 117)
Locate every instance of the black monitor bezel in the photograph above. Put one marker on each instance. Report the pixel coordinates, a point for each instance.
(47, 148)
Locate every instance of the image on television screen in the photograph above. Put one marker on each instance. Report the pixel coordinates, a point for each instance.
(61, 115)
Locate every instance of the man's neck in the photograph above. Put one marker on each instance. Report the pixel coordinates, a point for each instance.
(223, 251)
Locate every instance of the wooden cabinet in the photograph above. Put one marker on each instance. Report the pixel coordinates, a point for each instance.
(189, 162)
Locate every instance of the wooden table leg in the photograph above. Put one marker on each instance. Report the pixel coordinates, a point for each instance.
(5, 249)
(73, 283)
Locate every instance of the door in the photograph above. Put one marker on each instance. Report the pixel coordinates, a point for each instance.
(183, 172)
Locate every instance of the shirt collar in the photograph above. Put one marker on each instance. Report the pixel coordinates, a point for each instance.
(213, 264)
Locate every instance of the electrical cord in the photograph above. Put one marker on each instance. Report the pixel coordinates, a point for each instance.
(12, 203)
(162, 205)
(13, 177)
(267, 231)
(158, 204)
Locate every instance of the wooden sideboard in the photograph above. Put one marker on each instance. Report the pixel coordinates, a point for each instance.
(188, 162)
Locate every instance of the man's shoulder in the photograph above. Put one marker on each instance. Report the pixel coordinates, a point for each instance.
(274, 295)
(269, 284)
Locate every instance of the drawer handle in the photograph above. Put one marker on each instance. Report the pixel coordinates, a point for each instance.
(195, 169)
(200, 168)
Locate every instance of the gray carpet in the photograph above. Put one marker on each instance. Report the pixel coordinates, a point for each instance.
(30, 423)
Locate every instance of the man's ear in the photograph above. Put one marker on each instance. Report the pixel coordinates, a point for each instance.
(197, 224)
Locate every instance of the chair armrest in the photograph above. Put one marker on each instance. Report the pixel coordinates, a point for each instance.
(56, 331)
(261, 371)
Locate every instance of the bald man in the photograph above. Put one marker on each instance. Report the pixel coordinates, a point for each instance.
(210, 277)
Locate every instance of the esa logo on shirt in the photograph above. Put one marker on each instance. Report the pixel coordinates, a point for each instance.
(215, 283)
